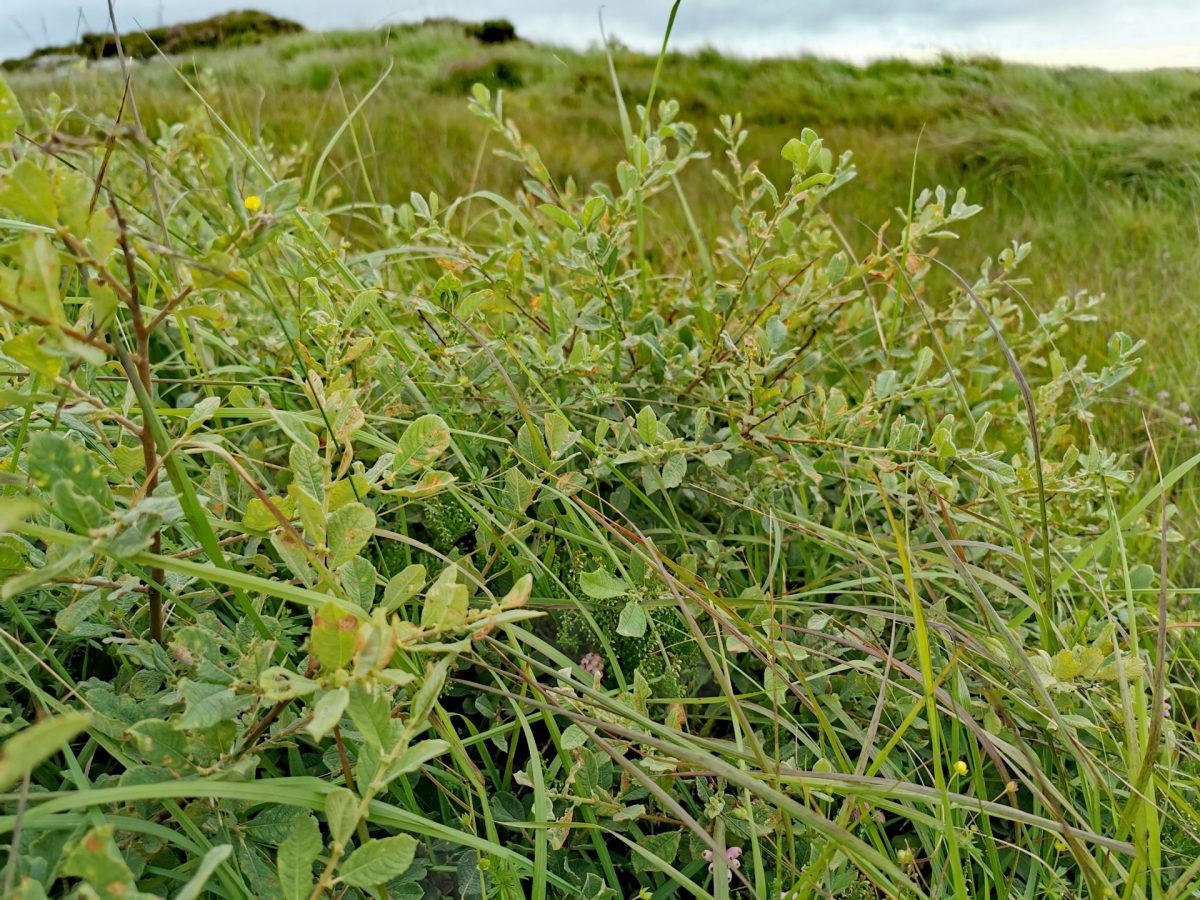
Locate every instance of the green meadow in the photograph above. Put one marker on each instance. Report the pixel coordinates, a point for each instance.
(432, 468)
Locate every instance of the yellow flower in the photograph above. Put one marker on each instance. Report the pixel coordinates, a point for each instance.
(253, 203)
(1060, 846)
(960, 768)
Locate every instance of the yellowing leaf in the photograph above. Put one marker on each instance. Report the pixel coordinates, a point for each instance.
(1065, 666)
(519, 594)
(430, 483)
(96, 859)
(343, 491)
(130, 460)
(348, 531)
(421, 444)
(28, 349)
(258, 518)
(26, 193)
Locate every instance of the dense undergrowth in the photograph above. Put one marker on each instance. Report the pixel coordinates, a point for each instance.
(508, 550)
(1096, 169)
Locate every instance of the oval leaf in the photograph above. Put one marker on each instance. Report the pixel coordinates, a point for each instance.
(349, 530)
(421, 444)
(379, 861)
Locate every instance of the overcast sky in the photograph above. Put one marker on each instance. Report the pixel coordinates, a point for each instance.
(1110, 33)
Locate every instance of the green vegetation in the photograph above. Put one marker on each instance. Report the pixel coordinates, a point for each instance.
(235, 29)
(645, 521)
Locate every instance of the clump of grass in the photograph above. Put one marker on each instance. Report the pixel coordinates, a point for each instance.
(562, 541)
(496, 72)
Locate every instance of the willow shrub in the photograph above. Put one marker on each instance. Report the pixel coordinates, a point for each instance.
(521, 548)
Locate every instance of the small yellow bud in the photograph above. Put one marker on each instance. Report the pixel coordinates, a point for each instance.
(253, 203)
(1060, 846)
(960, 768)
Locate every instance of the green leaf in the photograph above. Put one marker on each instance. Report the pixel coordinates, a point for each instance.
(633, 620)
(202, 412)
(423, 702)
(1065, 666)
(358, 581)
(518, 490)
(445, 601)
(278, 683)
(28, 889)
(14, 510)
(38, 290)
(421, 444)
(10, 114)
(378, 861)
(371, 714)
(507, 808)
(295, 859)
(559, 434)
(664, 846)
(205, 871)
(341, 812)
(130, 460)
(674, 470)
(74, 479)
(24, 751)
(403, 587)
(602, 585)
(347, 490)
(26, 192)
(30, 349)
(796, 152)
(573, 738)
(327, 712)
(647, 425)
(997, 468)
(208, 705)
(629, 813)
(349, 530)
(160, 744)
(1141, 577)
(558, 216)
(417, 755)
(309, 470)
(334, 636)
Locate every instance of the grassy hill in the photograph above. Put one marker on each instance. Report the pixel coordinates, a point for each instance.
(1100, 170)
(679, 535)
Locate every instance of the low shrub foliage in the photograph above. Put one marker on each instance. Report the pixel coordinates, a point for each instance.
(525, 547)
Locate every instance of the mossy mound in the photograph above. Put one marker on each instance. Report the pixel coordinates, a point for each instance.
(226, 30)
